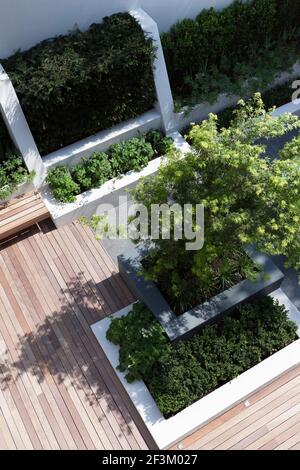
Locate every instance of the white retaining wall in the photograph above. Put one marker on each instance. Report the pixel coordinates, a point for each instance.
(23, 23)
(72, 154)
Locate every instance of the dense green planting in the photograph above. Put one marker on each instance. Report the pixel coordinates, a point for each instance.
(247, 199)
(277, 96)
(12, 168)
(12, 174)
(133, 154)
(238, 50)
(182, 289)
(222, 352)
(142, 342)
(73, 86)
(179, 375)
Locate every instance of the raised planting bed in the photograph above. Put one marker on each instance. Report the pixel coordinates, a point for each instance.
(105, 176)
(15, 179)
(202, 377)
(208, 75)
(242, 60)
(185, 324)
(86, 81)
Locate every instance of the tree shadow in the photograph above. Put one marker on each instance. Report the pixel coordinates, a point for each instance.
(64, 345)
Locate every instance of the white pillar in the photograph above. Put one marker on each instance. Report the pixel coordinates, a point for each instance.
(161, 78)
(18, 128)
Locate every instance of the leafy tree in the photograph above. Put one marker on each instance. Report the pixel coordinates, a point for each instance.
(248, 199)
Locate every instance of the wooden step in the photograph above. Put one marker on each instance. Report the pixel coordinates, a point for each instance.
(21, 213)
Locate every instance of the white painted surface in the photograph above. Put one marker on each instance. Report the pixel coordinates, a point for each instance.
(161, 77)
(73, 153)
(18, 128)
(23, 23)
(167, 431)
(86, 204)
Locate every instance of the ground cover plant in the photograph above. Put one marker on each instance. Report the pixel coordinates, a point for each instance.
(238, 50)
(133, 154)
(73, 86)
(247, 198)
(178, 375)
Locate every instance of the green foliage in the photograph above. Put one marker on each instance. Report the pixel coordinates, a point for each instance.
(93, 172)
(142, 342)
(132, 154)
(277, 96)
(12, 169)
(72, 86)
(62, 184)
(219, 354)
(162, 145)
(291, 150)
(238, 50)
(247, 199)
(12, 174)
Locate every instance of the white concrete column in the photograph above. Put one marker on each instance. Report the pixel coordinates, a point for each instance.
(161, 77)
(18, 128)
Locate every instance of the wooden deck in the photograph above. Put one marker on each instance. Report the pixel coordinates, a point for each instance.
(21, 213)
(57, 389)
(268, 420)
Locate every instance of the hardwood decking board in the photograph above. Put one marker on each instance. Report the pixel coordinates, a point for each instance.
(53, 286)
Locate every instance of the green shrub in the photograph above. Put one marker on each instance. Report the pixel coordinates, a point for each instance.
(12, 169)
(291, 150)
(62, 185)
(72, 86)
(93, 172)
(277, 96)
(132, 154)
(142, 342)
(218, 354)
(238, 50)
(162, 145)
(12, 174)
(248, 199)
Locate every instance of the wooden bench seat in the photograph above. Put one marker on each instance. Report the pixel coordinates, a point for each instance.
(21, 213)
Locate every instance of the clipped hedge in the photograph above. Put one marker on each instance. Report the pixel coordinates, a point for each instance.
(73, 86)
(222, 352)
(178, 375)
(239, 50)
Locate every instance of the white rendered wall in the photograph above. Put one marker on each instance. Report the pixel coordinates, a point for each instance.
(23, 23)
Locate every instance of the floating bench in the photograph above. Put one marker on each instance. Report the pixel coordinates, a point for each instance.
(20, 214)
